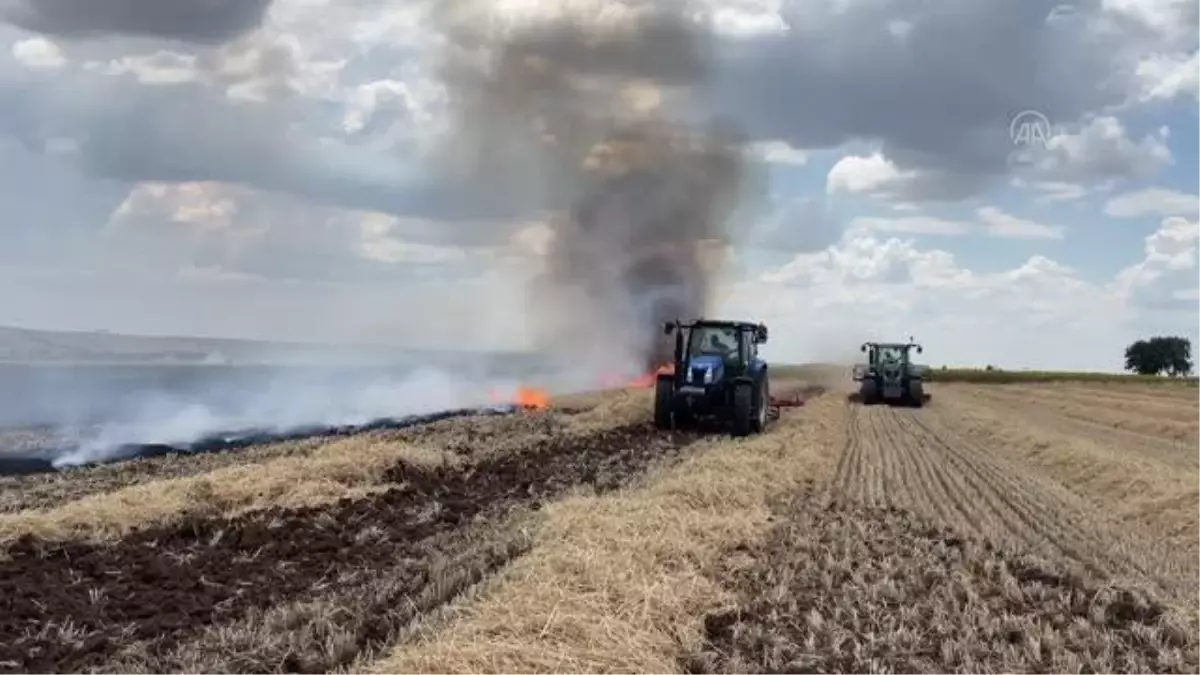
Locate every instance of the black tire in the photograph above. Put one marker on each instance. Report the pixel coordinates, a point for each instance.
(868, 394)
(664, 402)
(743, 408)
(762, 401)
(916, 394)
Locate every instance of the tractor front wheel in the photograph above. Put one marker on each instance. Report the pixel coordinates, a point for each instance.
(664, 403)
(916, 394)
(743, 409)
(762, 404)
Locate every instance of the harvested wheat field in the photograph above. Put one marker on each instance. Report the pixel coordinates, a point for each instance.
(1010, 528)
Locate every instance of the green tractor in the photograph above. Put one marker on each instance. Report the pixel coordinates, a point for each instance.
(717, 375)
(890, 376)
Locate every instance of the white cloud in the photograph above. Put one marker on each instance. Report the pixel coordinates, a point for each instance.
(1000, 224)
(38, 53)
(779, 152)
(1153, 201)
(1169, 76)
(912, 225)
(1040, 313)
(1100, 150)
(161, 67)
(1170, 258)
(1052, 191)
(877, 176)
(378, 241)
(991, 222)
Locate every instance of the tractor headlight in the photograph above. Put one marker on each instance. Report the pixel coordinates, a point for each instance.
(708, 376)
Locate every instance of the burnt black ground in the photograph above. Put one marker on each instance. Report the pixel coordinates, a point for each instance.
(224, 441)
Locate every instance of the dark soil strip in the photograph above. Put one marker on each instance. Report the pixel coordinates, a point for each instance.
(869, 590)
(373, 610)
(67, 606)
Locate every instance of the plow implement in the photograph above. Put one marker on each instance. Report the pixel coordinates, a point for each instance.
(778, 403)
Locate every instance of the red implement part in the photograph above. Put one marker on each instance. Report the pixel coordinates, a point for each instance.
(794, 400)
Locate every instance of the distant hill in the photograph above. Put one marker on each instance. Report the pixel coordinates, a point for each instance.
(26, 345)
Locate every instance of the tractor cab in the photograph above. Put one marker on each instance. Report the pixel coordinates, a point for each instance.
(715, 349)
(890, 354)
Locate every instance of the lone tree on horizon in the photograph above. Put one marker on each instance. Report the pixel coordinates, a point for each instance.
(1161, 354)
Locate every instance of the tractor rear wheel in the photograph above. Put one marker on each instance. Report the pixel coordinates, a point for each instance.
(743, 409)
(664, 403)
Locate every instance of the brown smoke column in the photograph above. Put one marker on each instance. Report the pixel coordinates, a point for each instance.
(570, 117)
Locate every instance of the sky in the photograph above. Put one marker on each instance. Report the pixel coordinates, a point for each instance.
(1009, 183)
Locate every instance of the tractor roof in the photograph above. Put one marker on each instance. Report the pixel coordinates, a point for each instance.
(748, 325)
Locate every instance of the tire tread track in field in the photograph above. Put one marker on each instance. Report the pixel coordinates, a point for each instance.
(1172, 451)
(913, 459)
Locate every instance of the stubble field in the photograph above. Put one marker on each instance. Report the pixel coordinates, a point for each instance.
(1016, 527)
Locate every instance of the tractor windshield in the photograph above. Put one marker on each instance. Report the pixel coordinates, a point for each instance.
(716, 340)
(891, 354)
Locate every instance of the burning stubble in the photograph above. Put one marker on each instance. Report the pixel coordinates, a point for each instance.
(575, 120)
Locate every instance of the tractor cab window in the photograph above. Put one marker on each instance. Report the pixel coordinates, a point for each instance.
(891, 354)
(714, 340)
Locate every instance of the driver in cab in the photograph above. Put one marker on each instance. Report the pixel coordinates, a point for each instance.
(723, 343)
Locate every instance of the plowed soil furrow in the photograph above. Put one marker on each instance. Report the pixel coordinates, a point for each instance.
(70, 605)
(847, 475)
(918, 485)
(927, 468)
(369, 610)
(1007, 519)
(1170, 442)
(943, 492)
(849, 589)
(1052, 514)
(1030, 513)
(938, 492)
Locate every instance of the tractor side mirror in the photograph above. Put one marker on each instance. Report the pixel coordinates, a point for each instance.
(668, 328)
(862, 348)
(760, 335)
(920, 350)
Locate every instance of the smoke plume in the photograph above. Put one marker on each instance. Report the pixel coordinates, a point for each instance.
(574, 119)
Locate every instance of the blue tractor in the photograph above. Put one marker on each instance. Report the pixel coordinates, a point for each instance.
(717, 375)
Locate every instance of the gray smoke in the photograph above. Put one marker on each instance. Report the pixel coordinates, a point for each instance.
(576, 120)
(198, 21)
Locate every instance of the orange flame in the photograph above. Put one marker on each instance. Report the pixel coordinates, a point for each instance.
(647, 380)
(531, 398)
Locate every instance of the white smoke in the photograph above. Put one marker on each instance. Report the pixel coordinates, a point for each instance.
(281, 404)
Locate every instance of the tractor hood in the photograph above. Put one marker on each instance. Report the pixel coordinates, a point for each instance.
(698, 366)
